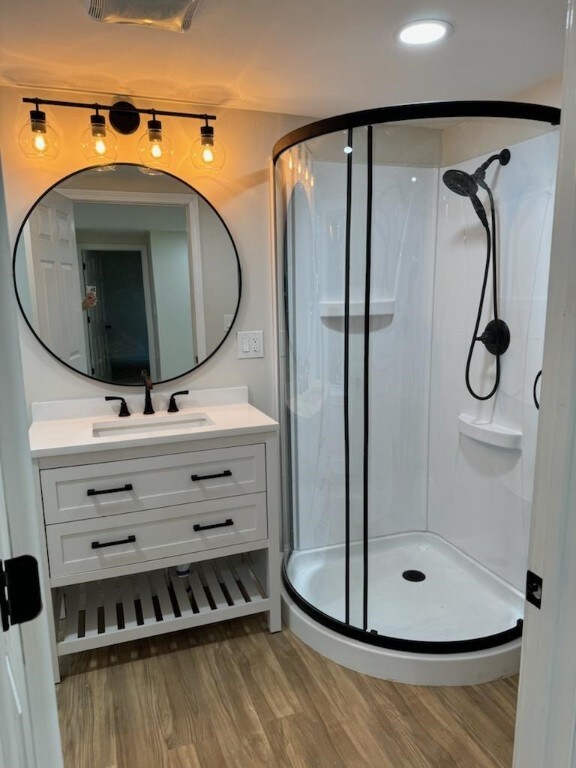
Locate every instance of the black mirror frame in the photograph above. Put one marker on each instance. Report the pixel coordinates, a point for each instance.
(95, 378)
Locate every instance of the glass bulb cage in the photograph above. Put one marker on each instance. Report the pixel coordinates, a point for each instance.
(207, 153)
(37, 139)
(99, 143)
(154, 147)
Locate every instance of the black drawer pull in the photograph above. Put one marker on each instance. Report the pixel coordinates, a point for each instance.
(226, 473)
(198, 527)
(94, 492)
(129, 540)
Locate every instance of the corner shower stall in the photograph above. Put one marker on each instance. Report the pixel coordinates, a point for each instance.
(409, 245)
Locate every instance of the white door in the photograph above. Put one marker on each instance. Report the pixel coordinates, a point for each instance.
(546, 719)
(58, 297)
(16, 744)
(29, 734)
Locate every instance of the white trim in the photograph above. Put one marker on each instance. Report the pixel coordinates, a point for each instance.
(122, 197)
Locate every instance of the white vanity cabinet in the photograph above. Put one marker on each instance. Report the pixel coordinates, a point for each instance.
(119, 517)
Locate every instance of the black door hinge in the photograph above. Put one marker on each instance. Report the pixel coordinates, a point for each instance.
(20, 596)
(534, 589)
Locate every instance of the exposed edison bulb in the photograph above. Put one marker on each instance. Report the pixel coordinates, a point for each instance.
(37, 139)
(98, 142)
(154, 146)
(207, 153)
(39, 142)
(100, 147)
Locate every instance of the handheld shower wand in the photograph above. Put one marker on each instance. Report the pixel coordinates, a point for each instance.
(496, 335)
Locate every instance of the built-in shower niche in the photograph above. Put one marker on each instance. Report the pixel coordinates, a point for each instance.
(333, 314)
(397, 463)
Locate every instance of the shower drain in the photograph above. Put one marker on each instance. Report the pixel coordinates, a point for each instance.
(413, 575)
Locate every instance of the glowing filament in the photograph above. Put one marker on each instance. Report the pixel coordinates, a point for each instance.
(39, 142)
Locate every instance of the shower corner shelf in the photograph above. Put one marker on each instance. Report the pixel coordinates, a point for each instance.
(381, 308)
(489, 433)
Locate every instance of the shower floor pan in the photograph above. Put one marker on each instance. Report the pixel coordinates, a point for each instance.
(458, 600)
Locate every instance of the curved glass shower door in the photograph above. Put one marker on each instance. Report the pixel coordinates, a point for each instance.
(401, 529)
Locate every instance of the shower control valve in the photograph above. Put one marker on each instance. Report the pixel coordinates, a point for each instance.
(496, 337)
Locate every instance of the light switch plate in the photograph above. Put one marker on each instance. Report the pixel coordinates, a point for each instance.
(250, 344)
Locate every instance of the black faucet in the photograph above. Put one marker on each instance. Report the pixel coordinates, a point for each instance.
(148, 409)
(123, 407)
(172, 407)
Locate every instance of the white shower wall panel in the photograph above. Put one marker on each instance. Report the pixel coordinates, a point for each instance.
(402, 272)
(403, 252)
(479, 494)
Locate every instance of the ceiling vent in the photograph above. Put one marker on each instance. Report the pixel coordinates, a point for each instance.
(173, 15)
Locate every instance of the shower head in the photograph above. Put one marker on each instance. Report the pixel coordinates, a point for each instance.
(460, 182)
(464, 184)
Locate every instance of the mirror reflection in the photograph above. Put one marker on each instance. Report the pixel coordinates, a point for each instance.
(127, 270)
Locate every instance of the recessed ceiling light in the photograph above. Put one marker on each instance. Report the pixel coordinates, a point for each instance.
(424, 32)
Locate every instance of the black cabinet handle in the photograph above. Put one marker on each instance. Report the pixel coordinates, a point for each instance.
(226, 473)
(198, 527)
(94, 492)
(129, 540)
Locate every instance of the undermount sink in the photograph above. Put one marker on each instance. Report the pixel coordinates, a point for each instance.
(129, 426)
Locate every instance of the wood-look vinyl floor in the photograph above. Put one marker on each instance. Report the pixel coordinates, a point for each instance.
(232, 695)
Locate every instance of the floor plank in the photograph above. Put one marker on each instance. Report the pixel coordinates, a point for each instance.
(232, 695)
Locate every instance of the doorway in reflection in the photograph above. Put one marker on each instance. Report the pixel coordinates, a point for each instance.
(118, 326)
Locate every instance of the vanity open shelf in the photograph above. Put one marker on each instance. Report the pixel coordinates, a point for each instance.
(100, 613)
(122, 508)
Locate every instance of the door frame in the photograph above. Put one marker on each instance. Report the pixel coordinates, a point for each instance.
(24, 514)
(546, 714)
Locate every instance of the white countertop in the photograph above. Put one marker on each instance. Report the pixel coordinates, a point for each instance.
(50, 436)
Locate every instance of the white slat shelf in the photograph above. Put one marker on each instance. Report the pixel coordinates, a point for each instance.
(129, 607)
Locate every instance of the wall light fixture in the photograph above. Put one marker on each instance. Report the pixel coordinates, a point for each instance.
(37, 139)
(154, 146)
(98, 142)
(207, 153)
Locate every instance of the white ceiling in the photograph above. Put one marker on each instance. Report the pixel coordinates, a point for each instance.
(307, 57)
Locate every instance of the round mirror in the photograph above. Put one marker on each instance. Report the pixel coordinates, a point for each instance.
(125, 271)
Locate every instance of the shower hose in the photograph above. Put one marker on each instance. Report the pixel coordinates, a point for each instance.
(490, 258)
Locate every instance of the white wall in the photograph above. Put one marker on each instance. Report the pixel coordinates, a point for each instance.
(171, 279)
(218, 275)
(480, 495)
(240, 192)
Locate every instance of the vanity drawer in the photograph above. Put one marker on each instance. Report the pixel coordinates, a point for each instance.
(84, 545)
(110, 488)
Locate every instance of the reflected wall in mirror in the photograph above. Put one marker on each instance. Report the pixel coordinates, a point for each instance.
(127, 270)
